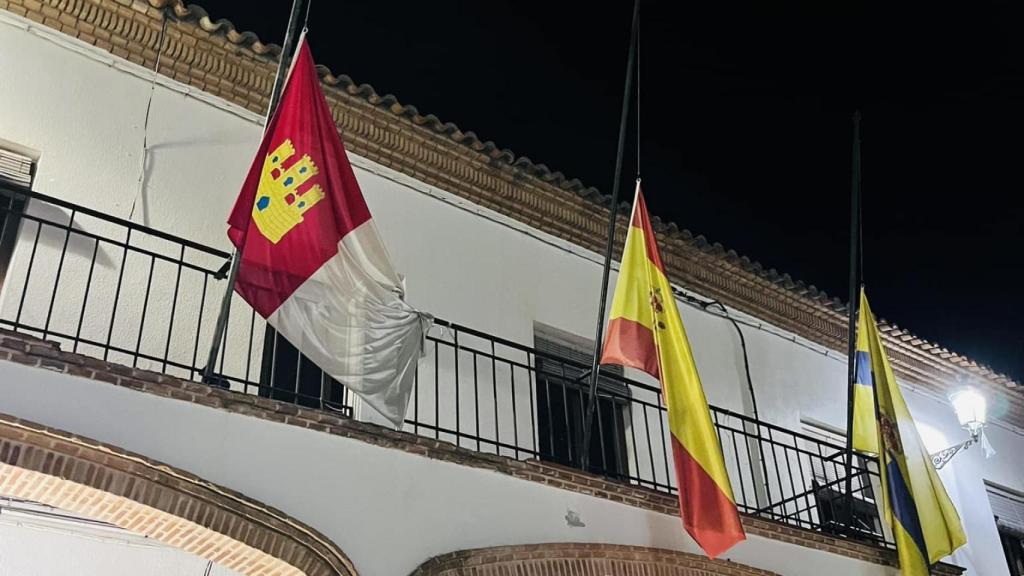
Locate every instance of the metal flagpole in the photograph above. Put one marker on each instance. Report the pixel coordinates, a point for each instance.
(852, 308)
(612, 220)
(287, 51)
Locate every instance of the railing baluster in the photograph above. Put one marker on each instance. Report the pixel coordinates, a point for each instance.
(224, 341)
(662, 411)
(199, 327)
(117, 292)
(803, 481)
(28, 276)
(85, 297)
(569, 436)
(437, 394)
(635, 472)
(551, 419)
(515, 418)
(494, 386)
(174, 305)
(650, 447)
(532, 377)
(739, 470)
(60, 268)
(458, 421)
(142, 319)
(616, 448)
(416, 399)
(248, 354)
(600, 434)
(476, 401)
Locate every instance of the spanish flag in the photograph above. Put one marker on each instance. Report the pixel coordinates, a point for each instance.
(646, 332)
(924, 522)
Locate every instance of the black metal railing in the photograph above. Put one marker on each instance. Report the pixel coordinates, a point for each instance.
(117, 290)
(121, 291)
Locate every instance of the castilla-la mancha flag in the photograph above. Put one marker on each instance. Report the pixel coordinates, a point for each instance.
(646, 332)
(312, 261)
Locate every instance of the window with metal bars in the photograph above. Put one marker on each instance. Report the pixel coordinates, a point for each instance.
(289, 376)
(562, 396)
(1008, 508)
(828, 478)
(16, 173)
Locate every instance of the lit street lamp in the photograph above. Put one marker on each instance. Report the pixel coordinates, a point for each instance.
(970, 409)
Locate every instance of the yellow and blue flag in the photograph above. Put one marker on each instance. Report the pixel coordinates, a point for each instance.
(924, 522)
(865, 431)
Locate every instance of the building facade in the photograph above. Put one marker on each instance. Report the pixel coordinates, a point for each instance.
(113, 251)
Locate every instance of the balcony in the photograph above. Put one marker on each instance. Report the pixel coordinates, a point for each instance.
(113, 289)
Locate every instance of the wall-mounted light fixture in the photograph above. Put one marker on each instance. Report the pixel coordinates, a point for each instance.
(970, 407)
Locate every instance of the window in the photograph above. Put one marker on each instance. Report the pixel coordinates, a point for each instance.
(828, 479)
(562, 390)
(16, 172)
(290, 377)
(1008, 508)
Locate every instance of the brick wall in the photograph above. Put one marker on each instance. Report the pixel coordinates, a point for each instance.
(23, 349)
(214, 57)
(579, 560)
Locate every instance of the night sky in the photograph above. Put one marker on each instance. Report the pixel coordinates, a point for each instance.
(745, 124)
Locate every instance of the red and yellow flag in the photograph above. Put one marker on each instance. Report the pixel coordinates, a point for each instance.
(646, 332)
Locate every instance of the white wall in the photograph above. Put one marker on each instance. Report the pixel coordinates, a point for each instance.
(462, 263)
(387, 509)
(28, 548)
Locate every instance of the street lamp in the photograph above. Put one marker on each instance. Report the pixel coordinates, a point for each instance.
(970, 409)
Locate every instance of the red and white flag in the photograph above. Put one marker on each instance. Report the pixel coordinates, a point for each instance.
(312, 261)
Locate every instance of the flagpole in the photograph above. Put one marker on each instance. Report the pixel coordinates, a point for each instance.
(609, 246)
(852, 307)
(287, 51)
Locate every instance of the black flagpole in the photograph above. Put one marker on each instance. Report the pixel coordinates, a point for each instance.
(612, 220)
(287, 51)
(852, 308)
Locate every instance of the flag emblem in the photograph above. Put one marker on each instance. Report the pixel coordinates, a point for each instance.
(280, 203)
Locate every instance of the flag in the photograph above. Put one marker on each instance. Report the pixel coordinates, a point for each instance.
(646, 332)
(865, 431)
(312, 261)
(924, 522)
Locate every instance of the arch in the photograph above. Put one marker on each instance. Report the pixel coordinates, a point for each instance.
(170, 505)
(579, 560)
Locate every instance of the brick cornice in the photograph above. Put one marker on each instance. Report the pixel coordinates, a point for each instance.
(565, 559)
(30, 351)
(214, 57)
(177, 508)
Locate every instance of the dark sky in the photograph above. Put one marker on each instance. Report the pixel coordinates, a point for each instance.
(746, 130)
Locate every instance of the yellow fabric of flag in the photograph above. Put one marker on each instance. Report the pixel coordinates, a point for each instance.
(865, 431)
(924, 522)
(646, 332)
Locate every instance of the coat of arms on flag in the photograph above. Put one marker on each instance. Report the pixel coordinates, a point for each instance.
(311, 259)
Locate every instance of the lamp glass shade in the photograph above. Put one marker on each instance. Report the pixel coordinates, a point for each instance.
(970, 408)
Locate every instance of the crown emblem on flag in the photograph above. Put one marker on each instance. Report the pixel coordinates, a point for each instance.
(279, 204)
